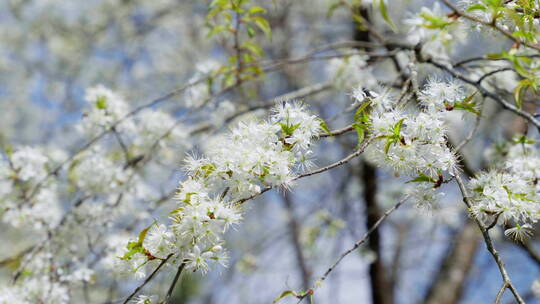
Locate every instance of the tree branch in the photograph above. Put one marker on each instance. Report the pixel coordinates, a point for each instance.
(355, 246)
(148, 279)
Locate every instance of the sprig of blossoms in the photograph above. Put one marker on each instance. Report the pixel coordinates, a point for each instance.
(106, 108)
(19, 173)
(237, 165)
(349, 72)
(511, 190)
(411, 141)
(435, 30)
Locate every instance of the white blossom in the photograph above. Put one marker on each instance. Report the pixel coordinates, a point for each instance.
(105, 109)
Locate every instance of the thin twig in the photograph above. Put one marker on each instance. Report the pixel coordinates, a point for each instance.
(173, 284)
(489, 242)
(148, 279)
(341, 162)
(487, 93)
(500, 293)
(356, 245)
(337, 132)
(479, 81)
(493, 25)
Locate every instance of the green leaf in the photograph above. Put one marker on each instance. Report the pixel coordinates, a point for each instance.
(136, 247)
(388, 144)
(218, 3)
(518, 94)
(263, 25)
(324, 126)
(523, 140)
(384, 12)
(476, 7)
(144, 232)
(253, 48)
(256, 9)
(467, 104)
(360, 131)
(332, 8)
(285, 294)
(397, 127)
(288, 129)
(101, 103)
(422, 178)
(359, 114)
(434, 22)
(216, 30)
(250, 31)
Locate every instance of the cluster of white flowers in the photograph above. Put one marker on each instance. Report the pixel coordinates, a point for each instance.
(413, 142)
(44, 282)
(351, 71)
(105, 187)
(199, 92)
(156, 127)
(490, 11)
(510, 190)
(142, 299)
(19, 174)
(435, 30)
(95, 173)
(37, 290)
(106, 108)
(439, 95)
(209, 199)
(29, 163)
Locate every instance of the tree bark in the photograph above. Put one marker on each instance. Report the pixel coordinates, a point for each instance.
(381, 291)
(295, 230)
(448, 285)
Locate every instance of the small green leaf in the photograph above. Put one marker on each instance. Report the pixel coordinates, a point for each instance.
(467, 104)
(101, 103)
(384, 12)
(518, 94)
(523, 140)
(285, 294)
(263, 25)
(256, 9)
(253, 48)
(324, 126)
(332, 8)
(136, 247)
(397, 127)
(388, 144)
(422, 178)
(216, 30)
(360, 132)
(434, 22)
(476, 7)
(359, 114)
(250, 31)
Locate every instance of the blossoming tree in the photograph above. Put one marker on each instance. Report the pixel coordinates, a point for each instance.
(146, 146)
